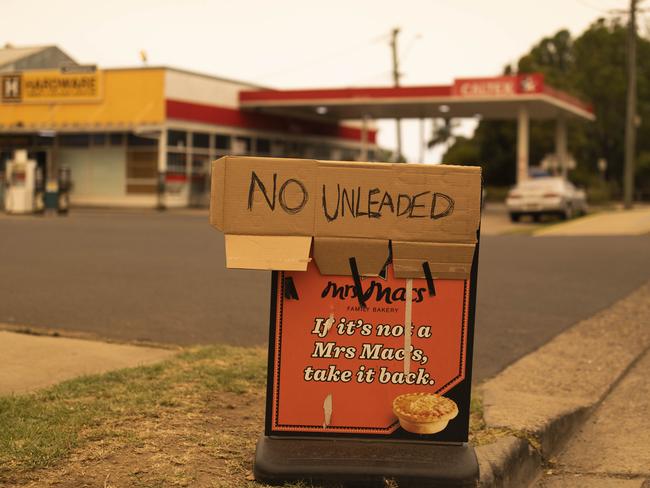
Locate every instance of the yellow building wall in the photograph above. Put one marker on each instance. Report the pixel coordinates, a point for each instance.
(127, 98)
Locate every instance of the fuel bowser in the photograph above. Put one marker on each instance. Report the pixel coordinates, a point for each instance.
(56, 192)
(65, 184)
(21, 184)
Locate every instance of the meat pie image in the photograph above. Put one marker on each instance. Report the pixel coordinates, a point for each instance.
(424, 413)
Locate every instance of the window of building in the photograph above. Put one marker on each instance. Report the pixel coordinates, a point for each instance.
(98, 139)
(4, 157)
(116, 138)
(278, 148)
(15, 141)
(74, 140)
(141, 171)
(136, 141)
(242, 145)
(44, 141)
(309, 152)
(176, 139)
(222, 141)
(200, 181)
(200, 164)
(176, 163)
(336, 154)
(322, 152)
(263, 146)
(295, 150)
(200, 140)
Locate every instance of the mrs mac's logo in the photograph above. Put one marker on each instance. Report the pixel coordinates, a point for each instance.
(375, 291)
(11, 88)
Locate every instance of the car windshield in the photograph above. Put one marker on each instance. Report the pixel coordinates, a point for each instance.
(540, 184)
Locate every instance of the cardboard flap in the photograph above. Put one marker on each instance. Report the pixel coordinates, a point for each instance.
(217, 192)
(265, 196)
(332, 255)
(271, 208)
(446, 260)
(290, 253)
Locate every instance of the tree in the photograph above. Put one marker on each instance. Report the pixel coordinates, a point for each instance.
(591, 67)
(554, 57)
(600, 78)
(443, 132)
(493, 147)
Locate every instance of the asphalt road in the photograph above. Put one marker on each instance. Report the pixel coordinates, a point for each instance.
(161, 277)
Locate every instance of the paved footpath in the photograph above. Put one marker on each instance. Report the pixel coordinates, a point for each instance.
(575, 412)
(612, 449)
(611, 223)
(30, 362)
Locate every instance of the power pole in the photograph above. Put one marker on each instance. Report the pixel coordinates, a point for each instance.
(630, 114)
(396, 75)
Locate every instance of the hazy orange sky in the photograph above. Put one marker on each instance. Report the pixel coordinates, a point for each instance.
(301, 43)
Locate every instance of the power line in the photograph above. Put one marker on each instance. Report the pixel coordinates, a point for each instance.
(409, 48)
(612, 11)
(636, 10)
(372, 77)
(588, 5)
(326, 56)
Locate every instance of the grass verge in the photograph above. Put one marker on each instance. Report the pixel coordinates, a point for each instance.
(152, 414)
(192, 420)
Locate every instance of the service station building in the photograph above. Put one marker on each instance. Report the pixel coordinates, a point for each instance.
(134, 136)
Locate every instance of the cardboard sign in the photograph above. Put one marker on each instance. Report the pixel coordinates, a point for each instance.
(336, 368)
(372, 314)
(271, 209)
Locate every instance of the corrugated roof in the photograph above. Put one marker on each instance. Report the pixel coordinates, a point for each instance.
(12, 54)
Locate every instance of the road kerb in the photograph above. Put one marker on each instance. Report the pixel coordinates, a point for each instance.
(510, 461)
(542, 398)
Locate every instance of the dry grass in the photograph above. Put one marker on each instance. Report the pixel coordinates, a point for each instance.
(190, 421)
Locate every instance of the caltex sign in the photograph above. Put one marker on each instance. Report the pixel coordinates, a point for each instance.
(503, 86)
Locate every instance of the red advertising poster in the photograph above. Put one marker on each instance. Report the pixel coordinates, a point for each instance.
(343, 369)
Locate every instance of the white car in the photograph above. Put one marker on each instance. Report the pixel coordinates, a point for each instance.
(550, 195)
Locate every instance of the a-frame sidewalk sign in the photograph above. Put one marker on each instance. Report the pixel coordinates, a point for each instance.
(373, 296)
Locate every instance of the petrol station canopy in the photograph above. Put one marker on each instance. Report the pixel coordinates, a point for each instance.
(518, 97)
(491, 98)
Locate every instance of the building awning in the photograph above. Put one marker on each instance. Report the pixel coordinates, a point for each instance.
(490, 98)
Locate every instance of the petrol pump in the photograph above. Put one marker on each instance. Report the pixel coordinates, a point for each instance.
(39, 191)
(20, 181)
(65, 183)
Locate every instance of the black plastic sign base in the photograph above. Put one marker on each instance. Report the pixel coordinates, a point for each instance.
(362, 463)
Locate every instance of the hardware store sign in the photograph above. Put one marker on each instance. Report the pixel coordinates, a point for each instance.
(50, 86)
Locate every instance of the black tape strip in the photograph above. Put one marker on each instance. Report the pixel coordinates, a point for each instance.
(383, 274)
(427, 274)
(357, 282)
(290, 292)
